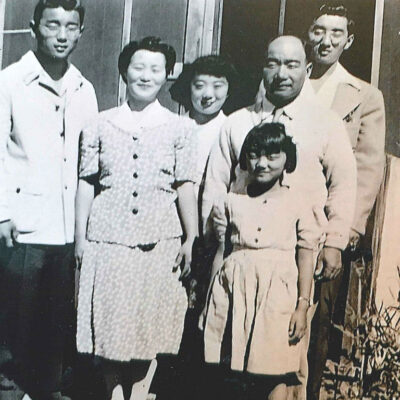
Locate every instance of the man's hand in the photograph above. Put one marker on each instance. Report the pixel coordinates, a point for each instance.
(8, 233)
(354, 240)
(331, 260)
(298, 324)
(185, 255)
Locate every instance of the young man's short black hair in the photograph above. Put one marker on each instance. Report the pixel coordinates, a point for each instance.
(68, 5)
(336, 7)
(150, 43)
(212, 65)
(269, 138)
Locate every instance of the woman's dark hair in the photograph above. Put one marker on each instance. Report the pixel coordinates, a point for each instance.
(269, 138)
(207, 65)
(150, 43)
(68, 5)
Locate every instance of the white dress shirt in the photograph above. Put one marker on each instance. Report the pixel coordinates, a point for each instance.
(39, 135)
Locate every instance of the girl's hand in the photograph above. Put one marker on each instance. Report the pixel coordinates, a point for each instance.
(79, 246)
(185, 256)
(298, 325)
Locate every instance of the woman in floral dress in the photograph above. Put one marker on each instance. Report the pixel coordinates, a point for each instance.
(128, 237)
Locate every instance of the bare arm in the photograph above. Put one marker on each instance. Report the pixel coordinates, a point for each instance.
(83, 204)
(188, 211)
(298, 322)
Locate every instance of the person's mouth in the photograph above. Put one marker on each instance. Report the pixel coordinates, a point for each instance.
(207, 103)
(324, 52)
(60, 48)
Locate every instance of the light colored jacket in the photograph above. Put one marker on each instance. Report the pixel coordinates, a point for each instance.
(39, 135)
(362, 109)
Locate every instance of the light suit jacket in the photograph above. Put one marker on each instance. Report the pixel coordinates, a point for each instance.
(362, 109)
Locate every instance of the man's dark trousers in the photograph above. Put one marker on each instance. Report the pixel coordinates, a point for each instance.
(36, 294)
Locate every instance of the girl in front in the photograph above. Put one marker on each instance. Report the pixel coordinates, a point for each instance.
(260, 284)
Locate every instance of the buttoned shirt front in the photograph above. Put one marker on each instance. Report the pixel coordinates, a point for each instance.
(40, 124)
(325, 163)
(139, 159)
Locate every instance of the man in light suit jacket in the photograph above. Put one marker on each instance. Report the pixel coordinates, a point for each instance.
(361, 107)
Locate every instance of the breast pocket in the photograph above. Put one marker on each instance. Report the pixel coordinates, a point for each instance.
(26, 206)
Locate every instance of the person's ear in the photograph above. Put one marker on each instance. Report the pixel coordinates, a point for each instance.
(33, 27)
(309, 67)
(349, 42)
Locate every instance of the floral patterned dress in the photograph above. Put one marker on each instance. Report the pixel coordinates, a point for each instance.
(131, 303)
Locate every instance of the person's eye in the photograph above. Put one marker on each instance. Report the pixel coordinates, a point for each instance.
(271, 64)
(293, 65)
(337, 34)
(252, 156)
(72, 28)
(198, 86)
(318, 31)
(156, 70)
(52, 26)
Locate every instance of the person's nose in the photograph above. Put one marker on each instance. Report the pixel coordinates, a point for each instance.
(208, 92)
(282, 72)
(326, 39)
(62, 34)
(145, 75)
(263, 162)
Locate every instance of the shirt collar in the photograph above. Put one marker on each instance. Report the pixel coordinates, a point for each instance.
(296, 107)
(341, 75)
(33, 71)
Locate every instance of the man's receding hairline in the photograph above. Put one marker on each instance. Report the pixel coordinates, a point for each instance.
(289, 37)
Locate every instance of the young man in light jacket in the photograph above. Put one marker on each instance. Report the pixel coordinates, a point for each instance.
(44, 104)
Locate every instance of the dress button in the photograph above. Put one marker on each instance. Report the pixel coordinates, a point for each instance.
(134, 138)
(134, 194)
(18, 190)
(259, 229)
(256, 240)
(135, 175)
(135, 211)
(65, 187)
(135, 156)
(265, 201)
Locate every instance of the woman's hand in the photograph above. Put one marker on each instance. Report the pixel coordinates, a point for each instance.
(298, 324)
(79, 246)
(185, 256)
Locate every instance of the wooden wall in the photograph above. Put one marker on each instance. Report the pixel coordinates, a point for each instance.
(389, 77)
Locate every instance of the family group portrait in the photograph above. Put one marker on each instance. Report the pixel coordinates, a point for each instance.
(199, 200)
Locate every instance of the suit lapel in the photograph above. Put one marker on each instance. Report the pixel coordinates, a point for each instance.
(346, 101)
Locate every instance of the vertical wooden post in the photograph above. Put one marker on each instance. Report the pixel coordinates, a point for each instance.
(216, 43)
(282, 10)
(2, 14)
(377, 43)
(126, 36)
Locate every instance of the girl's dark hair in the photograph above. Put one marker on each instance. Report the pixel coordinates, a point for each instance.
(207, 65)
(269, 138)
(68, 5)
(150, 43)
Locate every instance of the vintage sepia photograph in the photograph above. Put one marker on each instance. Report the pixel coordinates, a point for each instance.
(199, 200)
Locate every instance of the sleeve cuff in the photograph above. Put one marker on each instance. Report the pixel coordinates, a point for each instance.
(337, 241)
